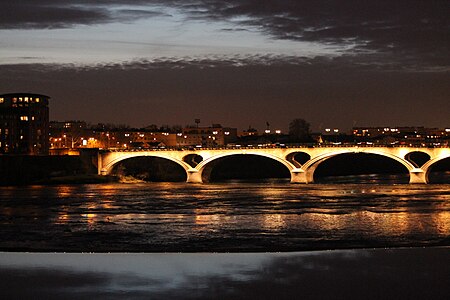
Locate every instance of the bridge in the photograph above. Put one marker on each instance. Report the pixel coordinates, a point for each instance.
(196, 160)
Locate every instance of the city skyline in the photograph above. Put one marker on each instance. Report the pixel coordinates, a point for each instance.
(238, 62)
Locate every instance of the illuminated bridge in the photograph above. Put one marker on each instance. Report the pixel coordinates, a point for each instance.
(195, 161)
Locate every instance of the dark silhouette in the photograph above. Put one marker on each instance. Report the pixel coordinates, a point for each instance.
(299, 131)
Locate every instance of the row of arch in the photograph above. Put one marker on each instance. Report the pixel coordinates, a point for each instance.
(194, 163)
(298, 159)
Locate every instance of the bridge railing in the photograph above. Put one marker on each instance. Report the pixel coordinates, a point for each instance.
(279, 145)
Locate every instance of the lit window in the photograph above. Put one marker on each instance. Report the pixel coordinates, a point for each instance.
(14, 100)
(32, 118)
(24, 118)
(37, 100)
(20, 99)
(26, 99)
(2, 100)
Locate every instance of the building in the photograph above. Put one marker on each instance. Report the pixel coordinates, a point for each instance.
(407, 135)
(24, 122)
(213, 136)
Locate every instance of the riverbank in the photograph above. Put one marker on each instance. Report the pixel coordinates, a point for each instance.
(18, 170)
(406, 273)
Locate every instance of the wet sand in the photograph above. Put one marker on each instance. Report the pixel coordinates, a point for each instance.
(407, 273)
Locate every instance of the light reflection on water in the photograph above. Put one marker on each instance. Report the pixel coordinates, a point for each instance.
(234, 216)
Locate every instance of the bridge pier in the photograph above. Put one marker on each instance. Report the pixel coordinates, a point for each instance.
(299, 176)
(417, 175)
(194, 176)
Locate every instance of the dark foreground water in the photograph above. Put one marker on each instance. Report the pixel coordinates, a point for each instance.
(226, 217)
(418, 273)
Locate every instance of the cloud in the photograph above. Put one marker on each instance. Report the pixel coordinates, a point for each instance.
(400, 29)
(30, 14)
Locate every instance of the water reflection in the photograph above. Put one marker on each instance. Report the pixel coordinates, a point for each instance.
(347, 274)
(222, 217)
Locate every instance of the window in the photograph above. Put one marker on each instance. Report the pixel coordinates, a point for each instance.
(37, 100)
(24, 118)
(2, 100)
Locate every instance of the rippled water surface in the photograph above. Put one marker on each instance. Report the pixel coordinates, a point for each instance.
(225, 217)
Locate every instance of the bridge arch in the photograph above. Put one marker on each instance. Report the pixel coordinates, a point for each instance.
(298, 158)
(109, 166)
(417, 158)
(427, 167)
(204, 174)
(193, 159)
(310, 166)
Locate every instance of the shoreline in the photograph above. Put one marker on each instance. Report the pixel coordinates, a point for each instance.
(241, 251)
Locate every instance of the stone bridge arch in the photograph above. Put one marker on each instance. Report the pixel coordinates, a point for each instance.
(309, 167)
(302, 158)
(417, 158)
(429, 164)
(112, 160)
(195, 175)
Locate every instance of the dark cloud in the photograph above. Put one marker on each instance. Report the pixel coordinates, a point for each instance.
(43, 14)
(399, 28)
(397, 73)
(27, 14)
(404, 28)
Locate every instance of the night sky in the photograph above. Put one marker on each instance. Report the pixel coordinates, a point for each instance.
(334, 63)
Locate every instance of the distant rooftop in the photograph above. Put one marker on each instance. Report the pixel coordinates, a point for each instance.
(24, 95)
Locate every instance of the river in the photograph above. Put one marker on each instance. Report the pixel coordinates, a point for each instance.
(234, 216)
(245, 240)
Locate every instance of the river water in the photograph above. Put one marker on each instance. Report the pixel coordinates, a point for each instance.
(233, 216)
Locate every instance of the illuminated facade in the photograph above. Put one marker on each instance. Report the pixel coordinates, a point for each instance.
(24, 122)
(403, 135)
(213, 136)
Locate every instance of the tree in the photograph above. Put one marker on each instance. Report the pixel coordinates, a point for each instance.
(299, 131)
